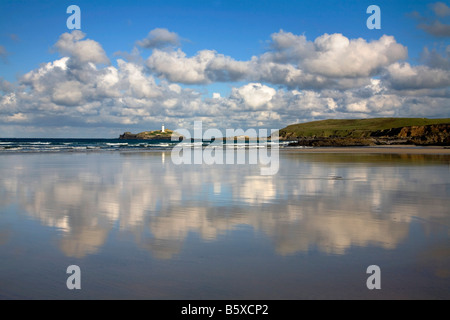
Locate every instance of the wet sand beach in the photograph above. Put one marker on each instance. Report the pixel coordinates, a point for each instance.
(141, 227)
(378, 149)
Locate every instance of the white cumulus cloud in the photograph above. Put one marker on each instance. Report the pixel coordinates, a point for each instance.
(255, 95)
(82, 51)
(159, 38)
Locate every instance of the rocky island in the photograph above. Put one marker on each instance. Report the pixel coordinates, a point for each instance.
(369, 132)
(163, 134)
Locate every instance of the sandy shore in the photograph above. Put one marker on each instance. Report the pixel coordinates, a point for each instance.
(405, 149)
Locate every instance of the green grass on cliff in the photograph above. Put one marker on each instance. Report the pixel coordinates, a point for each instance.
(353, 127)
(156, 132)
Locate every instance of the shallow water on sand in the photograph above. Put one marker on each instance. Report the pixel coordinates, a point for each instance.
(142, 227)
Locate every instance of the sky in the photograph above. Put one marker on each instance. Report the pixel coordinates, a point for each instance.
(134, 65)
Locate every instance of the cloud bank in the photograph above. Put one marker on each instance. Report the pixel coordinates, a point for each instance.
(294, 80)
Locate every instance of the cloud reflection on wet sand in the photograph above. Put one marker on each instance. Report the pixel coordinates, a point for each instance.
(311, 203)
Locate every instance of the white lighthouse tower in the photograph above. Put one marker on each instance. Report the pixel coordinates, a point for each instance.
(162, 128)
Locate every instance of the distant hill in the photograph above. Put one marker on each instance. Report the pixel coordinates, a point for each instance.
(420, 131)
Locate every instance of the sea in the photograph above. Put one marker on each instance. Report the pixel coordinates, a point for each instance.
(70, 145)
(74, 145)
(138, 225)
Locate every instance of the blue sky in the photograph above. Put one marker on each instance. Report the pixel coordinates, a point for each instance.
(231, 64)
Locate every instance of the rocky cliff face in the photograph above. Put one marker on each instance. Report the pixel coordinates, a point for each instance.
(436, 134)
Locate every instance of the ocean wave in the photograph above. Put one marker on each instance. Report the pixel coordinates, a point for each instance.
(79, 147)
(37, 143)
(117, 144)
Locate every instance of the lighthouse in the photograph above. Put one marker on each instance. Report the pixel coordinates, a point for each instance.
(162, 128)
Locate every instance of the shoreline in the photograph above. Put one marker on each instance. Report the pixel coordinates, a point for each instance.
(115, 147)
(404, 149)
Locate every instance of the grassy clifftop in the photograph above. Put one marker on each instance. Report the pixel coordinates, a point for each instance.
(353, 128)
